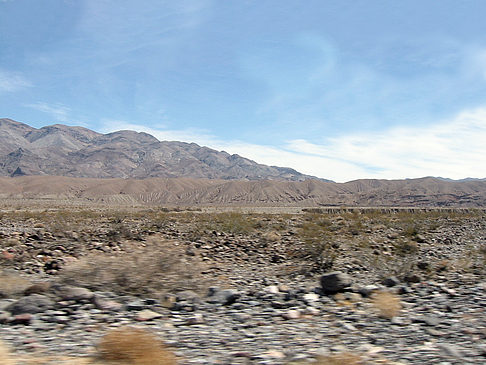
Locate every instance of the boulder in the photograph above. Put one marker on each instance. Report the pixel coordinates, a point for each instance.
(335, 282)
(34, 303)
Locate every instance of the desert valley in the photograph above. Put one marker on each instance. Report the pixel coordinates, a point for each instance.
(122, 249)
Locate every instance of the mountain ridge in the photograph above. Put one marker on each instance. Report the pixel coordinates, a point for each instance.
(61, 150)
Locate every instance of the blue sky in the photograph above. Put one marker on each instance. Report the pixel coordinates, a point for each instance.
(336, 89)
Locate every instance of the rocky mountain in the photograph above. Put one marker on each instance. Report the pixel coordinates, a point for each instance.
(62, 150)
(425, 192)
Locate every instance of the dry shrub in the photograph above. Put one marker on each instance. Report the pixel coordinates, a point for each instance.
(11, 284)
(132, 346)
(343, 358)
(151, 271)
(387, 304)
(5, 357)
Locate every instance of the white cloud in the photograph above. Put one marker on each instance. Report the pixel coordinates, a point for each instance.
(12, 81)
(58, 111)
(455, 149)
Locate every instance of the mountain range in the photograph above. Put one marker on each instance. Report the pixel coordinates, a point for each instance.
(79, 152)
(126, 167)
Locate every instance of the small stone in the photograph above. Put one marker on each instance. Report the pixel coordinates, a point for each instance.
(420, 238)
(136, 305)
(272, 289)
(413, 278)
(168, 301)
(24, 318)
(391, 281)
(311, 298)
(311, 311)
(195, 319)
(367, 290)
(147, 315)
(450, 350)
(107, 305)
(74, 293)
(291, 314)
(274, 354)
(283, 288)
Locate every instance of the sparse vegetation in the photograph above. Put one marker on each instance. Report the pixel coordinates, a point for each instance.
(153, 270)
(132, 346)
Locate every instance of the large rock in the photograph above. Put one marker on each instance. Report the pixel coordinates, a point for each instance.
(335, 282)
(224, 297)
(74, 293)
(34, 303)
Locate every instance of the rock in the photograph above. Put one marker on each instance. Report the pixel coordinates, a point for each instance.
(367, 290)
(136, 305)
(34, 303)
(195, 319)
(24, 318)
(107, 305)
(74, 293)
(428, 320)
(412, 278)
(311, 311)
(310, 298)
(168, 301)
(291, 314)
(147, 315)
(420, 238)
(38, 288)
(391, 281)
(335, 282)
(224, 297)
(273, 354)
(272, 289)
(450, 350)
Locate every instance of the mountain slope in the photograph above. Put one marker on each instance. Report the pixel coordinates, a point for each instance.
(79, 152)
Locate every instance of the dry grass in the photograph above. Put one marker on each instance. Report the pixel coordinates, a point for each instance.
(132, 346)
(387, 304)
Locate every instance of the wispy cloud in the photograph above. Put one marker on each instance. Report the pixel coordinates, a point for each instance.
(58, 111)
(453, 148)
(12, 81)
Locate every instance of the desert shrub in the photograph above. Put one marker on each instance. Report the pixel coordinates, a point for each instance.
(406, 247)
(153, 270)
(387, 304)
(132, 346)
(316, 243)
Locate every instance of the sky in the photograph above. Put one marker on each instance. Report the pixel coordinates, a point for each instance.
(341, 90)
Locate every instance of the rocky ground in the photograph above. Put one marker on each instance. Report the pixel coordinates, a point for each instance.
(233, 288)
